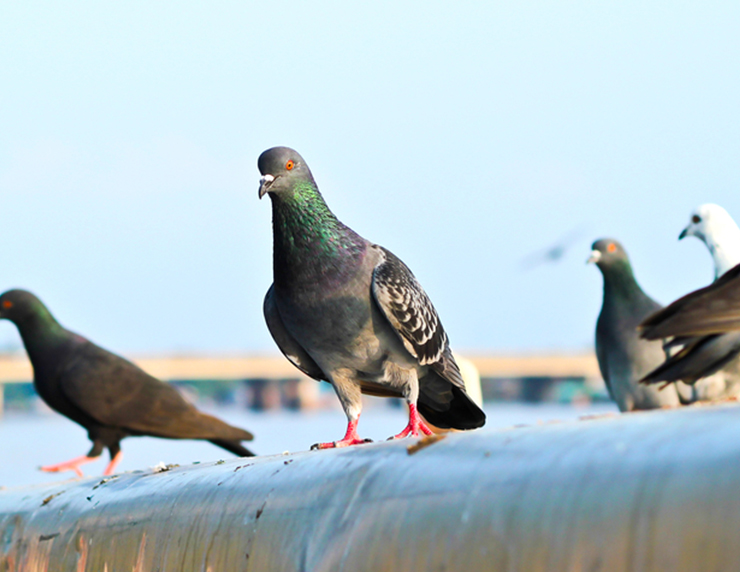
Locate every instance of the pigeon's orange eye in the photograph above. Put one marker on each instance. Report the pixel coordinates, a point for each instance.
(696, 219)
(7, 304)
(289, 165)
(611, 247)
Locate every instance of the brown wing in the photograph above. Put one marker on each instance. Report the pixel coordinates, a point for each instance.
(117, 393)
(714, 309)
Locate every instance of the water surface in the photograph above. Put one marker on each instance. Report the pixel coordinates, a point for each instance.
(28, 440)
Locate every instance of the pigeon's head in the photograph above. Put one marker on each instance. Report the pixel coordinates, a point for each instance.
(18, 305)
(605, 252)
(281, 168)
(706, 221)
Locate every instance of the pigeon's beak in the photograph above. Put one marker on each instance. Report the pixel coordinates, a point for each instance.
(265, 183)
(684, 233)
(594, 258)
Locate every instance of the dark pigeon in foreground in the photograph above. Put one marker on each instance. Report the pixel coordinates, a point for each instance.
(106, 394)
(349, 312)
(705, 323)
(623, 357)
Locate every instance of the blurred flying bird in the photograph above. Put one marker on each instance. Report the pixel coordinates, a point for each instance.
(349, 312)
(553, 253)
(106, 394)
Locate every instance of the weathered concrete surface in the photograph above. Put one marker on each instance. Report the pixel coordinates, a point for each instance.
(639, 492)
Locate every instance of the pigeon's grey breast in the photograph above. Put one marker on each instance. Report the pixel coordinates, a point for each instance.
(624, 359)
(343, 328)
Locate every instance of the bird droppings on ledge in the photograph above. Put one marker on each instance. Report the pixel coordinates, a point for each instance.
(260, 510)
(162, 468)
(424, 443)
(105, 480)
(243, 466)
(48, 499)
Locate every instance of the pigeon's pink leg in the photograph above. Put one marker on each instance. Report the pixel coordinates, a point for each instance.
(113, 462)
(350, 438)
(71, 465)
(416, 424)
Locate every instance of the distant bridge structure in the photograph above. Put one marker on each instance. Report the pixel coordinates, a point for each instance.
(535, 372)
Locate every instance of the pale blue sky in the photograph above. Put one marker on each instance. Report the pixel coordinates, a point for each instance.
(462, 136)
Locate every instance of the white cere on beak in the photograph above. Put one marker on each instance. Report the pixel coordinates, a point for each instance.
(594, 258)
(264, 182)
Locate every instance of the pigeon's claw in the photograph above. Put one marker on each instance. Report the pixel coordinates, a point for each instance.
(341, 443)
(71, 465)
(110, 469)
(416, 425)
(350, 438)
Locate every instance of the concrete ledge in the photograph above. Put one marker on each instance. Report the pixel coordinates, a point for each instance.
(637, 492)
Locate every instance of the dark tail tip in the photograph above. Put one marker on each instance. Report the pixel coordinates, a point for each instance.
(233, 447)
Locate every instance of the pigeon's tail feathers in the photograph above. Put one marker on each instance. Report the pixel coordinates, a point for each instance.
(700, 357)
(233, 447)
(226, 431)
(199, 425)
(452, 409)
(445, 404)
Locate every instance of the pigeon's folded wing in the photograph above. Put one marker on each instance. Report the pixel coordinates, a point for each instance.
(411, 313)
(117, 393)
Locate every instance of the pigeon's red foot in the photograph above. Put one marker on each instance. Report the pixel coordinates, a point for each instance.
(350, 438)
(113, 462)
(416, 424)
(341, 443)
(71, 465)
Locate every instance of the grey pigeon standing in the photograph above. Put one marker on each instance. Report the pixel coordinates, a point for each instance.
(623, 357)
(349, 312)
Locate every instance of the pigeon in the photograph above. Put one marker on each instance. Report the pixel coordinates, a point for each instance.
(705, 323)
(708, 363)
(714, 226)
(106, 394)
(347, 311)
(623, 357)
